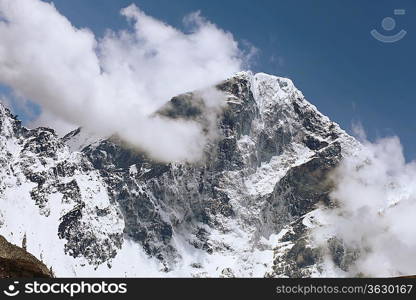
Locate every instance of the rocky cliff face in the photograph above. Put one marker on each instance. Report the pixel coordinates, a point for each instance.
(16, 262)
(92, 206)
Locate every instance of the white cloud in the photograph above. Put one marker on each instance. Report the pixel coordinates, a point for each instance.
(113, 84)
(376, 197)
(47, 119)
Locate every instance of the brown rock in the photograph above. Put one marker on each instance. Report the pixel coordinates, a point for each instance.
(15, 262)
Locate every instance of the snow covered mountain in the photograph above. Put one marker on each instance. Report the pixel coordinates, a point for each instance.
(92, 206)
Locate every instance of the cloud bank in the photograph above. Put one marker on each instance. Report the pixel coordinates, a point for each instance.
(375, 211)
(115, 83)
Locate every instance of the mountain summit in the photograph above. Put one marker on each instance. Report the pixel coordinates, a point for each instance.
(92, 206)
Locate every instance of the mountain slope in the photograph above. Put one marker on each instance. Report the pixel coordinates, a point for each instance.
(93, 206)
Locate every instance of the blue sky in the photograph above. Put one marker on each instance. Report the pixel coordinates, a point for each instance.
(324, 46)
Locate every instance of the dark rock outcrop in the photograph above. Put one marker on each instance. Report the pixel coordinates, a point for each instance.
(16, 262)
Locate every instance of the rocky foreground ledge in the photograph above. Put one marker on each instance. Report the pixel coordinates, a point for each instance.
(16, 262)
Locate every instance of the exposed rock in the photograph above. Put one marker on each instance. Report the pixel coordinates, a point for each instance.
(16, 262)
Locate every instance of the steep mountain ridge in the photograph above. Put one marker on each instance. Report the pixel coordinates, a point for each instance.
(93, 206)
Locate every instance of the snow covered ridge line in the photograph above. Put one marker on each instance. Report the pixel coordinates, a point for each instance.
(90, 206)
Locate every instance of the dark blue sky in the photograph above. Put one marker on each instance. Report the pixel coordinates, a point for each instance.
(324, 46)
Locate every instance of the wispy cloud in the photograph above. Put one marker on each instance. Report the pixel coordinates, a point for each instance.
(375, 197)
(114, 84)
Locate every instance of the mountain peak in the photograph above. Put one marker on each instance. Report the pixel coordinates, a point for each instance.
(88, 204)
